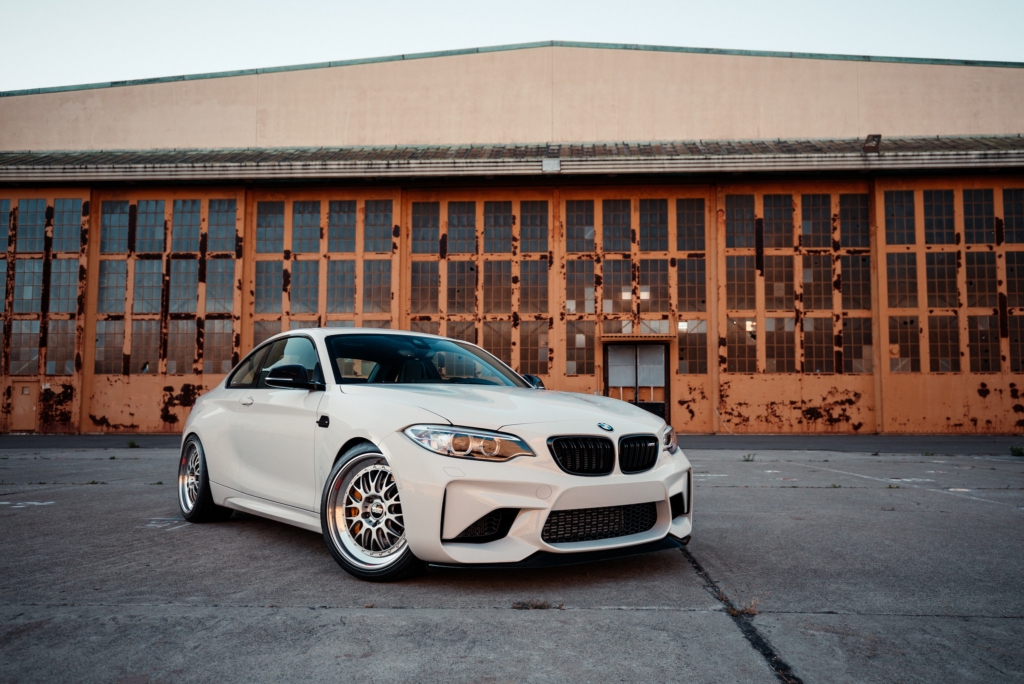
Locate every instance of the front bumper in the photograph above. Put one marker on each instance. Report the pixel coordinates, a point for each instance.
(442, 496)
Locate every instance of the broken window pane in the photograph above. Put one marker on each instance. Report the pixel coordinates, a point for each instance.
(944, 344)
(533, 226)
(305, 287)
(220, 277)
(145, 355)
(533, 347)
(983, 343)
(654, 225)
(904, 344)
(981, 279)
(533, 286)
(109, 343)
(1013, 213)
(579, 225)
(615, 227)
(739, 221)
(579, 286)
(264, 330)
(854, 229)
(498, 227)
(901, 274)
(149, 226)
(306, 228)
(690, 225)
(654, 285)
(497, 287)
(426, 227)
(939, 228)
(817, 282)
(780, 345)
(778, 221)
(498, 339)
(461, 287)
(24, 347)
(181, 346)
(223, 217)
(269, 227)
(856, 281)
(112, 280)
(979, 217)
(114, 227)
(31, 225)
(692, 285)
(377, 235)
(899, 217)
(184, 285)
(377, 286)
(185, 234)
(425, 286)
(940, 279)
(579, 348)
(778, 283)
(693, 347)
(819, 355)
(618, 286)
(28, 285)
(67, 225)
(63, 285)
(341, 226)
(857, 348)
(269, 283)
(740, 290)
(341, 286)
(741, 345)
(60, 348)
(462, 227)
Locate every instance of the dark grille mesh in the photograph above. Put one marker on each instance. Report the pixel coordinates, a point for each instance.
(584, 455)
(590, 524)
(637, 453)
(484, 527)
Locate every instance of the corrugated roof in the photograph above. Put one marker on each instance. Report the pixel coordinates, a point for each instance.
(692, 156)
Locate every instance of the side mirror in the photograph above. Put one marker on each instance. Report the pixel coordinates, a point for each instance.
(291, 376)
(534, 381)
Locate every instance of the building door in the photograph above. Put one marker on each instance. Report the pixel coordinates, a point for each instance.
(23, 409)
(637, 373)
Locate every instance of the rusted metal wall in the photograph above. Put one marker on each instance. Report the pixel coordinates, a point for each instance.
(803, 350)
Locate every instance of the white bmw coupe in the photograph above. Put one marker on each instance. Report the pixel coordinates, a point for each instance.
(406, 449)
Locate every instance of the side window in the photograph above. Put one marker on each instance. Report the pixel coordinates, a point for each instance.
(292, 350)
(245, 376)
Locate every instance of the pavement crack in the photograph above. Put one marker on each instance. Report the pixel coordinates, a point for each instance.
(783, 672)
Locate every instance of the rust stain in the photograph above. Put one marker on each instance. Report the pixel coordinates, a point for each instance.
(185, 398)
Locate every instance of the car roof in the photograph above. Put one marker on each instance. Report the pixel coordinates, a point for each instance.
(322, 333)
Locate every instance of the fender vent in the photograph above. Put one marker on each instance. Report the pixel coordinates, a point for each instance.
(591, 524)
(583, 455)
(638, 453)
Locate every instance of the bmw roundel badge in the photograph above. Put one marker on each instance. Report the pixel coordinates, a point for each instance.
(606, 427)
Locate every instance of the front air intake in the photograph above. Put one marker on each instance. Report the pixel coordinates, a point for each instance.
(583, 455)
(489, 527)
(592, 524)
(638, 453)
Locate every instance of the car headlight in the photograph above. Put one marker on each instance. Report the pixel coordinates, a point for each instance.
(468, 443)
(668, 439)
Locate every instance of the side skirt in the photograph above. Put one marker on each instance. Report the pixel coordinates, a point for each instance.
(230, 498)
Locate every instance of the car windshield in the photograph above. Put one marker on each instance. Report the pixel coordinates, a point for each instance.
(407, 359)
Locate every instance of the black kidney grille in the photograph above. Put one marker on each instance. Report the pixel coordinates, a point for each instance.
(591, 524)
(583, 455)
(638, 453)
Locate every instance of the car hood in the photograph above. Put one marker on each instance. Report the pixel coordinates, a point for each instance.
(493, 408)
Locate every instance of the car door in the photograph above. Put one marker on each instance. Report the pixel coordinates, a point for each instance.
(278, 429)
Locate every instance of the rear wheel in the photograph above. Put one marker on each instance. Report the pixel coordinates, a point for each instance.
(362, 518)
(194, 498)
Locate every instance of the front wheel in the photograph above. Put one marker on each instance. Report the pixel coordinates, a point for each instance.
(362, 518)
(194, 497)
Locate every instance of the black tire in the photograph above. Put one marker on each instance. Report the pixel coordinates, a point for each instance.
(194, 486)
(364, 462)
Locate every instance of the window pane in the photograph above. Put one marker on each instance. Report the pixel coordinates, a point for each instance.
(690, 225)
(462, 330)
(497, 287)
(691, 283)
(856, 281)
(533, 286)
(24, 347)
(28, 285)
(533, 227)
(148, 286)
(341, 286)
(149, 226)
(220, 279)
(5, 221)
(817, 283)
(1016, 343)
(112, 281)
(654, 296)
(145, 353)
(739, 221)
(305, 286)
(780, 345)
(269, 227)
(340, 324)
(306, 227)
(426, 227)
(461, 287)
(816, 217)
(981, 279)
(462, 227)
(579, 225)
(301, 325)
(376, 286)
(616, 222)
(940, 279)
(217, 347)
(618, 286)
(498, 339)
(741, 345)
(533, 347)
(428, 327)
(983, 343)
(31, 225)
(377, 229)
(1013, 212)
(819, 356)
(60, 348)
(184, 285)
(109, 343)
(979, 217)
(67, 225)
(181, 346)
(579, 286)
(854, 229)
(899, 217)
(114, 227)
(740, 292)
(901, 273)
(857, 348)
(579, 348)
(3, 284)
(654, 225)
(63, 285)
(498, 227)
(223, 217)
(1015, 278)
(269, 284)
(944, 344)
(341, 226)
(939, 228)
(778, 283)
(778, 221)
(425, 286)
(264, 330)
(693, 347)
(185, 234)
(905, 344)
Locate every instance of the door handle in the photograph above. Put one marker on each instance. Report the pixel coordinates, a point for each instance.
(324, 421)
(247, 401)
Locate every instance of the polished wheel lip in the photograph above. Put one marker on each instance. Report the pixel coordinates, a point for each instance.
(364, 513)
(189, 472)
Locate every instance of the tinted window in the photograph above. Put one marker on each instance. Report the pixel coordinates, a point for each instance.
(291, 351)
(245, 376)
(406, 359)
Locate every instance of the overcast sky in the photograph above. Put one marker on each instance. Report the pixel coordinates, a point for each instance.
(55, 43)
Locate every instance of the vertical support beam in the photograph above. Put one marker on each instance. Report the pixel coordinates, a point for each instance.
(879, 322)
(89, 290)
(716, 309)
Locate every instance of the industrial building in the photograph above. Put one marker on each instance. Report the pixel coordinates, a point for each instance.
(742, 242)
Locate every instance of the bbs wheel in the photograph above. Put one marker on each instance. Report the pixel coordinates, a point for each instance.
(362, 518)
(194, 498)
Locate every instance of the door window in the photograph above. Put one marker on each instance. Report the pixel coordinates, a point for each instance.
(245, 376)
(292, 351)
